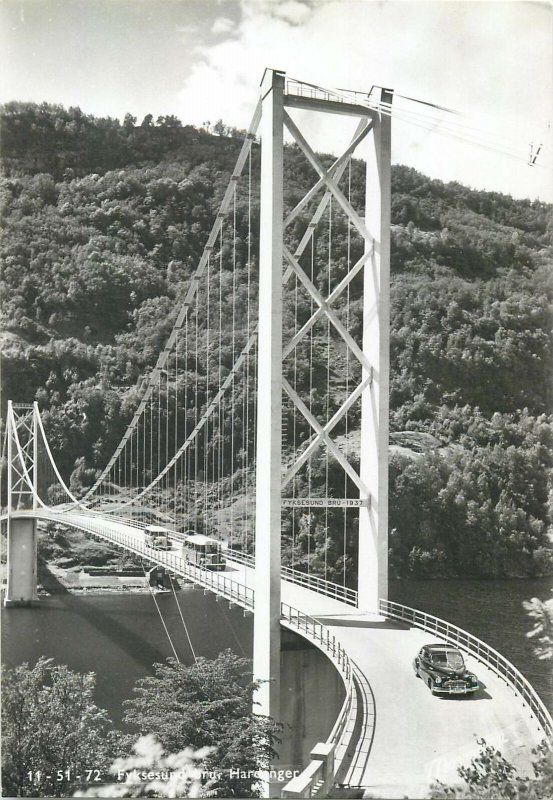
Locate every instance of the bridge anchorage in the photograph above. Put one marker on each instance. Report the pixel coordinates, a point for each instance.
(269, 432)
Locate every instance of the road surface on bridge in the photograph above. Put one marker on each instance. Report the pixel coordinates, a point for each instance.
(419, 737)
(416, 738)
(409, 738)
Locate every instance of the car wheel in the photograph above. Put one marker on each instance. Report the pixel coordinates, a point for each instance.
(417, 673)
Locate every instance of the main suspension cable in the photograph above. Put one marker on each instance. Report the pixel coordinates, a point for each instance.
(149, 381)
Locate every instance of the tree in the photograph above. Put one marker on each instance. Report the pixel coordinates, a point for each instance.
(208, 704)
(489, 776)
(168, 121)
(129, 122)
(220, 129)
(149, 772)
(52, 730)
(542, 614)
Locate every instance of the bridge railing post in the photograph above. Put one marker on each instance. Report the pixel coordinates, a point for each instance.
(324, 752)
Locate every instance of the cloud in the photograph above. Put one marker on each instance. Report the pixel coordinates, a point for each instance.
(223, 25)
(294, 12)
(453, 54)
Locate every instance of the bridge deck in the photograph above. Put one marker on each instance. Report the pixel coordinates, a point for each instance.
(417, 738)
(409, 738)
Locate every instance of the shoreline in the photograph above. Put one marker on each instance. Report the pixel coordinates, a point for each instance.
(55, 580)
(86, 590)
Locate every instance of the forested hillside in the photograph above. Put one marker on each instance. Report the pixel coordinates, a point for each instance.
(103, 224)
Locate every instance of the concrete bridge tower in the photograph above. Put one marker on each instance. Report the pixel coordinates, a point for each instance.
(372, 479)
(22, 432)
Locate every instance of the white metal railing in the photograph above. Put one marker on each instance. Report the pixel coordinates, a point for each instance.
(311, 91)
(321, 586)
(320, 771)
(317, 776)
(67, 509)
(301, 89)
(319, 634)
(220, 584)
(342, 593)
(480, 650)
(334, 590)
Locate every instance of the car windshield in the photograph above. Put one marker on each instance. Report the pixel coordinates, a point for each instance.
(448, 658)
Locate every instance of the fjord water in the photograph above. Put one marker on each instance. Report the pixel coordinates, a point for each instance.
(492, 610)
(120, 636)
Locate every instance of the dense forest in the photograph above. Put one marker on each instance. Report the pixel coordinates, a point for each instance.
(104, 222)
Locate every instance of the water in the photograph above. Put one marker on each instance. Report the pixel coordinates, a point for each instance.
(120, 637)
(490, 610)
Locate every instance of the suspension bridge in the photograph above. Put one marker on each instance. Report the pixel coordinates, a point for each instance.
(264, 424)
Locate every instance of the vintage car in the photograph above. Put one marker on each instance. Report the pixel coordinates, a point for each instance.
(443, 669)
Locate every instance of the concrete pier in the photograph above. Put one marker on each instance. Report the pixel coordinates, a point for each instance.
(22, 562)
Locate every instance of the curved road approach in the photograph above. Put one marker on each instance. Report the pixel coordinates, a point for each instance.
(405, 738)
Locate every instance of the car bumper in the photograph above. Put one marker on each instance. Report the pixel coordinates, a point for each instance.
(449, 690)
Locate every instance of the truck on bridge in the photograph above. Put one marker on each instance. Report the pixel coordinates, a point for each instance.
(203, 551)
(157, 537)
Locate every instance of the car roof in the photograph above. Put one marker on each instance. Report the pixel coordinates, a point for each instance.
(199, 538)
(438, 646)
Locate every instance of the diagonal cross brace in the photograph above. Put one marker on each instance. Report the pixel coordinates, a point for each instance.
(336, 292)
(330, 182)
(318, 438)
(323, 436)
(21, 458)
(329, 312)
(335, 171)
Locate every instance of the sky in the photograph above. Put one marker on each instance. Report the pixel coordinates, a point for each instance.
(491, 62)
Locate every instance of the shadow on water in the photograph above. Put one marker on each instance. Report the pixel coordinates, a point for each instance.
(125, 639)
(48, 580)
(103, 622)
(119, 636)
